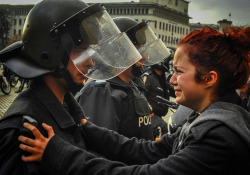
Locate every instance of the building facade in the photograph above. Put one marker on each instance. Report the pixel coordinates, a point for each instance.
(219, 26)
(17, 15)
(168, 18)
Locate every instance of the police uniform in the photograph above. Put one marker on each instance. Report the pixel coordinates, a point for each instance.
(37, 105)
(118, 106)
(155, 85)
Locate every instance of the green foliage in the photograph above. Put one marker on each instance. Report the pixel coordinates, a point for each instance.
(4, 27)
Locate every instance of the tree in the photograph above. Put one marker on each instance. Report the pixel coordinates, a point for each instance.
(13, 39)
(4, 27)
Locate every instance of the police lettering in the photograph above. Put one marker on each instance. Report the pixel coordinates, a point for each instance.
(146, 120)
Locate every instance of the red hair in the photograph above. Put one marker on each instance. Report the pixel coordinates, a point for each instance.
(228, 54)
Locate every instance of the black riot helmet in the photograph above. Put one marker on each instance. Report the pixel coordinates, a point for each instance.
(56, 29)
(141, 34)
(164, 65)
(125, 24)
(39, 46)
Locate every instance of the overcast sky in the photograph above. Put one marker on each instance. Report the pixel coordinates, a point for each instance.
(203, 11)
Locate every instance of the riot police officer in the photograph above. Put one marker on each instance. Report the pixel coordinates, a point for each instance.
(118, 104)
(61, 41)
(157, 85)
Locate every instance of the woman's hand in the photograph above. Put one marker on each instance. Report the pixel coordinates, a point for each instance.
(83, 121)
(35, 147)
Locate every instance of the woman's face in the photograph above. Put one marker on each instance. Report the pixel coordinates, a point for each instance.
(187, 91)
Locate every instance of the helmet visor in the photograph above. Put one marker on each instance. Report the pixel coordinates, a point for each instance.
(152, 48)
(97, 38)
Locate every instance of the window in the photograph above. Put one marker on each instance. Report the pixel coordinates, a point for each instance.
(163, 26)
(14, 31)
(142, 11)
(186, 31)
(146, 11)
(14, 21)
(19, 32)
(139, 11)
(169, 27)
(155, 24)
(175, 29)
(20, 21)
(166, 27)
(159, 36)
(160, 25)
(135, 11)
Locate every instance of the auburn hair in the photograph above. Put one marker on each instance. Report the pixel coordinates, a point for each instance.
(227, 53)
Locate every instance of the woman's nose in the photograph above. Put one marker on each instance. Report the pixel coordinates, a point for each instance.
(173, 79)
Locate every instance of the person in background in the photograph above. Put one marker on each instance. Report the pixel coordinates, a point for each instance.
(59, 46)
(117, 103)
(22, 81)
(214, 139)
(157, 85)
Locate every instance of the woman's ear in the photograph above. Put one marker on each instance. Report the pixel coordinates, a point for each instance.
(210, 79)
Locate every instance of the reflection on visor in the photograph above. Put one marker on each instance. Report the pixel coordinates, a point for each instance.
(154, 52)
(99, 28)
(83, 56)
(152, 48)
(111, 51)
(118, 51)
(100, 71)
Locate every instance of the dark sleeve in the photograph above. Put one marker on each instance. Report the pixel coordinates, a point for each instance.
(204, 157)
(154, 89)
(10, 153)
(130, 151)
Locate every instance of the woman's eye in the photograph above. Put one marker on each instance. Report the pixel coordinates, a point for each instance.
(178, 71)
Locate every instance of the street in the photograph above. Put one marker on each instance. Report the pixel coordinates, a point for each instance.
(6, 100)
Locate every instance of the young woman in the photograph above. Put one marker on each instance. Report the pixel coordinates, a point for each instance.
(214, 140)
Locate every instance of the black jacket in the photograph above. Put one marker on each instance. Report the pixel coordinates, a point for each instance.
(156, 85)
(118, 106)
(216, 142)
(37, 105)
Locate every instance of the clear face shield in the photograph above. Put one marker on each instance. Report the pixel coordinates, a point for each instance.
(92, 36)
(152, 49)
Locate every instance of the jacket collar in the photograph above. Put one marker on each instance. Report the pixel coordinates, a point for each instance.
(63, 117)
(117, 81)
